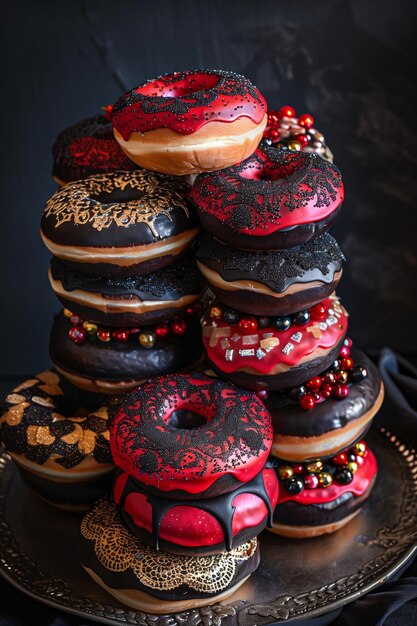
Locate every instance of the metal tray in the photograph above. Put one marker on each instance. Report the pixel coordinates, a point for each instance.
(296, 579)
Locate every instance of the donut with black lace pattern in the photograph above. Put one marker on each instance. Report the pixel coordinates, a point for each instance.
(120, 223)
(189, 122)
(191, 436)
(58, 436)
(271, 201)
(87, 148)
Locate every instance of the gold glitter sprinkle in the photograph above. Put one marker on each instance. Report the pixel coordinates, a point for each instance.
(269, 343)
(88, 442)
(75, 436)
(48, 377)
(51, 390)
(14, 415)
(25, 385)
(315, 331)
(43, 401)
(15, 398)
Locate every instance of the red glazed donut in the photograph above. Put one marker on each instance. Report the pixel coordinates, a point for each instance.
(190, 122)
(271, 201)
(187, 436)
(198, 526)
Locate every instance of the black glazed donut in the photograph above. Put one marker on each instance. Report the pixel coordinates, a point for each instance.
(271, 283)
(120, 223)
(270, 201)
(106, 360)
(87, 148)
(128, 301)
(58, 436)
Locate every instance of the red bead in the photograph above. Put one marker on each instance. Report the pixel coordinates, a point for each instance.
(121, 334)
(348, 342)
(318, 312)
(340, 391)
(307, 402)
(262, 394)
(272, 119)
(104, 334)
(190, 310)
(311, 481)
(286, 112)
(340, 459)
(178, 326)
(344, 351)
(134, 331)
(326, 390)
(162, 331)
(108, 111)
(315, 383)
(346, 363)
(298, 469)
(76, 319)
(302, 139)
(77, 334)
(306, 120)
(273, 134)
(248, 325)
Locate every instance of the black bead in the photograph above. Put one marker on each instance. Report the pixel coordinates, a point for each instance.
(294, 485)
(282, 323)
(301, 317)
(266, 141)
(351, 456)
(296, 392)
(230, 316)
(335, 366)
(343, 476)
(358, 374)
(264, 322)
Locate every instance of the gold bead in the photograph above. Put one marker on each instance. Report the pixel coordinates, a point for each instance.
(360, 448)
(294, 145)
(352, 466)
(285, 471)
(146, 339)
(67, 313)
(325, 479)
(314, 467)
(215, 312)
(343, 376)
(90, 327)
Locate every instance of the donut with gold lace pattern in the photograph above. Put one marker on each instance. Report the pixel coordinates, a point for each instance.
(191, 435)
(120, 223)
(58, 436)
(189, 122)
(271, 201)
(87, 148)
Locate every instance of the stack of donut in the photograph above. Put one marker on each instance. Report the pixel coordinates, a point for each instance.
(192, 488)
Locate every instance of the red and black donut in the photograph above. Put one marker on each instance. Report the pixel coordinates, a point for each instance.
(120, 223)
(128, 301)
(115, 360)
(329, 412)
(273, 353)
(87, 148)
(322, 496)
(190, 122)
(191, 436)
(271, 283)
(198, 525)
(271, 201)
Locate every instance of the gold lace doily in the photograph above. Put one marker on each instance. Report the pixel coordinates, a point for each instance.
(118, 550)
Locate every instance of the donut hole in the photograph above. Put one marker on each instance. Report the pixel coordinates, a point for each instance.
(184, 419)
(117, 196)
(181, 87)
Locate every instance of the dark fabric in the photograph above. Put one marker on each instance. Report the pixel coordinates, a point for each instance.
(391, 604)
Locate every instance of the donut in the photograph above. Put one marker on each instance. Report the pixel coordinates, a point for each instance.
(197, 526)
(272, 200)
(86, 148)
(326, 415)
(190, 122)
(321, 497)
(120, 223)
(264, 353)
(115, 360)
(271, 283)
(157, 582)
(190, 436)
(285, 131)
(132, 301)
(58, 437)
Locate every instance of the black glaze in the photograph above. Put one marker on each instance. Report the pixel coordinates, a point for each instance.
(116, 361)
(220, 507)
(289, 418)
(296, 375)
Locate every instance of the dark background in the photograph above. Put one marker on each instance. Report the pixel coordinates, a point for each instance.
(351, 64)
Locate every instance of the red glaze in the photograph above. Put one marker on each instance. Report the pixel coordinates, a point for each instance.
(276, 189)
(190, 526)
(101, 154)
(235, 440)
(362, 478)
(225, 343)
(186, 101)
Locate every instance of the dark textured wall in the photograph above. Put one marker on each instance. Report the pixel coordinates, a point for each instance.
(350, 64)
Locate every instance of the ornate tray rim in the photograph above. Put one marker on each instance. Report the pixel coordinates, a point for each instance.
(399, 543)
